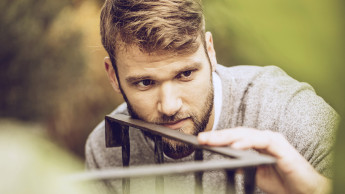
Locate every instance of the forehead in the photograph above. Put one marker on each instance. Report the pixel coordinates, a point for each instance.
(131, 58)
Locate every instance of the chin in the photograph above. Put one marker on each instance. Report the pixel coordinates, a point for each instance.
(175, 149)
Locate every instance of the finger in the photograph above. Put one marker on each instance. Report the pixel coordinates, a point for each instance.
(227, 136)
(218, 138)
(251, 138)
(246, 138)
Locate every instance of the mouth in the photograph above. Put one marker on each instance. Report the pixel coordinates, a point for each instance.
(175, 125)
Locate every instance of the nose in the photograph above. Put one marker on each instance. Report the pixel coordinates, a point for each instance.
(169, 101)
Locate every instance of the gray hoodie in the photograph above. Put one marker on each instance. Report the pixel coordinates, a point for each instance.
(265, 98)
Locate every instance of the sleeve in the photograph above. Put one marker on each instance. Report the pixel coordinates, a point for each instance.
(309, 124)
(92, 145)
(97, 156)
(278, 102)
(90, 162)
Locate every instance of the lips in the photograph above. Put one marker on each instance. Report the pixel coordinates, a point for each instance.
(175, 125)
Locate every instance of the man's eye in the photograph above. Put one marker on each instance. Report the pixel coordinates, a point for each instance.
(185, 76)
(186, 73)
(144, 84)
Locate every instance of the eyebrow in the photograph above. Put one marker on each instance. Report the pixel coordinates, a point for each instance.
(136, 78)
(133, 79)
(193, 66)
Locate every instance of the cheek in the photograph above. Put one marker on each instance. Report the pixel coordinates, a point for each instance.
(197, 93)
(144, 104)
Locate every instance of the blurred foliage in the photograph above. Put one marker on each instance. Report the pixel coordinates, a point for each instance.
(302, 37)
(52, 67)
(32, 62)
(83, 104)
(33, 165)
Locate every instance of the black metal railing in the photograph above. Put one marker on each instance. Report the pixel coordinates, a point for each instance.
(117, 134)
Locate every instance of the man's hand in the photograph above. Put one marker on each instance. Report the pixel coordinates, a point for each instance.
(291, 174)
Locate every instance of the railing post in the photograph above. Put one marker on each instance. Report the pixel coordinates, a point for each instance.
(117, 134)
(159, 159)
(230, 183)
(125, 157)
(198, 175)
(249, 180)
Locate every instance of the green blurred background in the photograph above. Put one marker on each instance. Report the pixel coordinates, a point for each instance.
(53, 89)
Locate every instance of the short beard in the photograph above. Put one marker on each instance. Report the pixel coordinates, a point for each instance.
(176, 149)
(172, 148)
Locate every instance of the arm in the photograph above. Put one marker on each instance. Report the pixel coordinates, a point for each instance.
(291, 174)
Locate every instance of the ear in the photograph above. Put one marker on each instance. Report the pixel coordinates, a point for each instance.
(111, 74)
(210, 50)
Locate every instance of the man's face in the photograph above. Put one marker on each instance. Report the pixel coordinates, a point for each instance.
(174, 91)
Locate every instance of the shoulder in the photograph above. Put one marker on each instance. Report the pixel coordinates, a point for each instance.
(96, 137)
(260, 81)
(252, 92)
(99, 156)
(261, 97)
(96, 154)
(247, 73)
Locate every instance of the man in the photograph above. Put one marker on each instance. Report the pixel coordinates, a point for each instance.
(163, 63)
